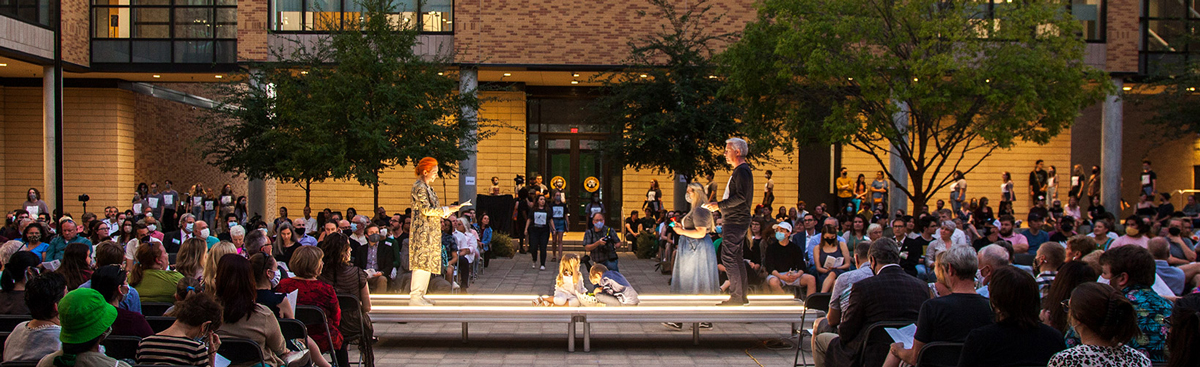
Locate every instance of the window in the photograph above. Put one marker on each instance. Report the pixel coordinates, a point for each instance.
(435, 16)
(38, 12)
(1168, 34)
(1090, 13)
(164, 31)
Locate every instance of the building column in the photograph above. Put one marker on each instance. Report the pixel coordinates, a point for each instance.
(1110, 149)
(50, 149)
(468, 83)
(896, 198)
(256, 188)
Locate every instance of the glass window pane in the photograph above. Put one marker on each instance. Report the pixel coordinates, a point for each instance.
(226, 52)
(152, 51)
(1165, 35)
(150, 23)
(403, 13)
(193, 23)
(227, 23)
(110, 23)
(110, 51)
(437, 16)
(194, 51)
(323, 15)
(190, 2)
(287, 15)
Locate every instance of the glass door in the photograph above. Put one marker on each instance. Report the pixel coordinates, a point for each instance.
(574, 163)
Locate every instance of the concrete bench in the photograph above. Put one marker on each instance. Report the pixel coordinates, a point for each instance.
(694, 309)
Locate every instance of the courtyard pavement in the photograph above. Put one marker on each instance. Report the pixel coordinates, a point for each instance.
(545, 345)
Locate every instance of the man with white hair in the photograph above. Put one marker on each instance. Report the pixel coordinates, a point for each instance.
(990, 258)
(237, 235)
(358, 228)
(735, 209)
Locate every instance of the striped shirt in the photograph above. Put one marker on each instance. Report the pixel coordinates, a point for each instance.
(172, 350)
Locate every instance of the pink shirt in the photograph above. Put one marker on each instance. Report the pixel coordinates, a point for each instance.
(1126, 240)
(1016, 238)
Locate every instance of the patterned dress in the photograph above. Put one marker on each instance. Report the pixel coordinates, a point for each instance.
(425, 243)
(1097, 356)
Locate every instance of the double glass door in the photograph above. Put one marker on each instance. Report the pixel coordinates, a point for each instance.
(574, 163)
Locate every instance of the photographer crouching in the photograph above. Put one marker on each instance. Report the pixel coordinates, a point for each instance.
(601, 242)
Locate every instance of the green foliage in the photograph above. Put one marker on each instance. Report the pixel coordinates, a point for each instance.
(666, 106)
(346, 105)
(967, 81)
(647, 245)
(502, 245)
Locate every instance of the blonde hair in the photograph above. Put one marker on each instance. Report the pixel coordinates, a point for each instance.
(699, 194)
(306, 261)
(570, 262)
(210, 265)
(190, 259)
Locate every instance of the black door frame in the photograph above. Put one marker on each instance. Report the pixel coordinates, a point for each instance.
(609, 178)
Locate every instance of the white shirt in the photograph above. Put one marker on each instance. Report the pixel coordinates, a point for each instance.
(1159, 287)
(309, 224)
(959, 238)
(467, 241)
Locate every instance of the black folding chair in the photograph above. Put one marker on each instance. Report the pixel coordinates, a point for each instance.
(10, 322)
(939, 354)
(1024, 259)
(3, 339)
(815, 301)
(160, 323)
(155, 308)
(18, 364)
(351, 305)
(878, 338)
(313, 316)
(241, 351)
(121, 347)
(293, 329)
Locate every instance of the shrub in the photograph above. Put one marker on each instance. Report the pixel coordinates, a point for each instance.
(647, 245)
(502, 245)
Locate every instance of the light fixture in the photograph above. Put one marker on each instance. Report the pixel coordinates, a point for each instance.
(574, 82)
(441, 73)
(304, 72)
(3, 65)
(915, 79)
(644, 75)
(1127, 88)
(850, 79)
(575, 75)
(219, 77)
(507, 74)
(987, 80)
(156, 76)
(712, 76)
(1191, 89)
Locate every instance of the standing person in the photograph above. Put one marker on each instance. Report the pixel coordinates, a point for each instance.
(425, 242)
(845, 187)
(225, 202)
(559, 214)
(1076, 182)
(1149, 180)
(1051, 185)
(653, 203)
(538, 225)
(170, 205)
(1006, 189)
(860, 192)
(878, 189)
(696, 264)
(520, 211)
(735, 209)
(1037, 183)
(34, 204)
(958, 193)
(594, 206)
(769, 191)
(711, 188)
(155, 200)
(1093, 185)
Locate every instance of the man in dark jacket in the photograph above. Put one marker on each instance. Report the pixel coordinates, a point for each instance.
(377, 258)
(735, 208)
(890, 295)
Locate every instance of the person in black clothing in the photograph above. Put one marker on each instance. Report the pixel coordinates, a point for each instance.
(1017, 338)
(633, 226)
(785, 262)
(735, 208)
(1066, 229)
(913, 248)
(1038, 183)
(950, 317)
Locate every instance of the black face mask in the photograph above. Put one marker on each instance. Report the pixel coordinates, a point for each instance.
(1174, 231)
(346, 232)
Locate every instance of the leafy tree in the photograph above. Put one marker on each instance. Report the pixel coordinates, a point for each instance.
(964, 78)
(666, 107)
(361, 98)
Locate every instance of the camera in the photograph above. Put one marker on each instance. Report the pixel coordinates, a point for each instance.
(84, 198)
(519, 179)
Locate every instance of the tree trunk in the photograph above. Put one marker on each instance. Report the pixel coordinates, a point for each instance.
(307, 192)
(376, 205)
(680, 196)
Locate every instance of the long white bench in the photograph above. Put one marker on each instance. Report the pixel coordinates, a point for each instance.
(692, 309)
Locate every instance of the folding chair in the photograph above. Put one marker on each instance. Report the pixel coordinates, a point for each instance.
(351, 305)
(816, 301)
(155, 308)
(939, 354)
(293, 329)
(877, 337)
(241, 351)
(313, 316)
(121, 347)
(160, 323)
(10, 322)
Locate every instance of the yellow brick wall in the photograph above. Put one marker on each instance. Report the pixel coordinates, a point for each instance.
(635, 184)
(984, 181)
(4, 190)
(22, 144)
(502, 155)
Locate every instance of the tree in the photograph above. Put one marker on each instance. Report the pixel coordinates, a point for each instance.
(665, 106)
(935, 81)
(361, 96)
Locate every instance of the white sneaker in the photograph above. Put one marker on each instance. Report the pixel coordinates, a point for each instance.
(534, 266)
(542, 268)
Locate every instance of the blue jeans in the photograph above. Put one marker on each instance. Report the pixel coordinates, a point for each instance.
(611, 265)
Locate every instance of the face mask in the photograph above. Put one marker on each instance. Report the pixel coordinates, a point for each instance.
(718, 230)
(1174, 231)
(598, 225)
(353, 227)
(152, 227)
(232, 224)
(347, 232)
(779, 236)
(275, 279)
(128, 229)
(32, 197)
(33, 238)
(1131, 231)
(204, 233)
(375, 238)
(149, 215)
(189, 226)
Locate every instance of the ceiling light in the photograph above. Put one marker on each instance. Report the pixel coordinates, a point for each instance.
(574, 82)
(3, 65)
(156, 76)
(1127, 88)
(219, 77)
(644, 75)
(441, 73)
(507, 74)
(575, 75)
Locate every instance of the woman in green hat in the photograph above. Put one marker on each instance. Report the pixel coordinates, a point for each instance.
(86, 319)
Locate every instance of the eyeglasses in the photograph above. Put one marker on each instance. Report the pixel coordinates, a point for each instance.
(1066, 304)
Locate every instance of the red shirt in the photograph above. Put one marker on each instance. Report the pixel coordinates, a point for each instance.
(320, 294)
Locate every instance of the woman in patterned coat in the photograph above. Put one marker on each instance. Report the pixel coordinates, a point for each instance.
(425, 242)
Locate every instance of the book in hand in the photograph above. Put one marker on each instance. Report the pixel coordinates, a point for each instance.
(834, 262)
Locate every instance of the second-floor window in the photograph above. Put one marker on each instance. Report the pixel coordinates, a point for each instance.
(434, 16)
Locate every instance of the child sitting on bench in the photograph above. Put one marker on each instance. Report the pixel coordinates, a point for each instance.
(611, 287)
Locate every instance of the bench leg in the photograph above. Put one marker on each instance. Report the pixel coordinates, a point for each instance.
(464, 327)
(695, 333)
(587, 337)
(571, 336)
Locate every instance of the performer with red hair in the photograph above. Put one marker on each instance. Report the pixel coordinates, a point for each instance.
(425, 242)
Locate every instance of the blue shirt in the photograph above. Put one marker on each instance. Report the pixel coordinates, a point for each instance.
(44, 247)
(1035, 241)
(485, 237)
(132, 301)
(1171, 275)
(307, 240)
(211, 241)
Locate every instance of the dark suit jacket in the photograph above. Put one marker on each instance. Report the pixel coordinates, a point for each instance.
(172, 241)
(385, 258)
(891, 295)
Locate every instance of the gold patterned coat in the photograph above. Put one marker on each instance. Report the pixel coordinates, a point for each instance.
(425, 242)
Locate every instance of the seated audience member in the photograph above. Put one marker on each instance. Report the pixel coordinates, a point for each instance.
(12, 282)
(110, 253)
(242, 316)
(286, 241)
(1017, 338)
(949, 317)
(843, 286)
(266, 278)
(31, 340)
(611, 287)
(1081, 248)
(85, 318)
(890, 295)
(785, 263)
(376, 256)
(76, 264)
(1183, 342)
(1131, 270)
(1106, 321)
(1046, 262)
(190, 260)
(150, 276)
(256, 241)
(191, 340)
(111, 282)
(1160, 250)
(1137, 233)
(990, 258)
(68, 234)
(185, 288)
(346, 278)
(307, 264)
(215, 254)
(1069, 276)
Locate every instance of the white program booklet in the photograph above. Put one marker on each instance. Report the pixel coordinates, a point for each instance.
(291, 297)
(903, 335)
(833, 262)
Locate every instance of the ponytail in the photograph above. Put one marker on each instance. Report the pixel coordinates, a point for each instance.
(15, 270)
(1120, 319)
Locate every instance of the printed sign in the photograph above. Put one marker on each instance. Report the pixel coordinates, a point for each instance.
(558, 183)
(154, 203)
(591, 184)
(539, 219)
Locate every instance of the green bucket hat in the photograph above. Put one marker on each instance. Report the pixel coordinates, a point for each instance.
(84, 316)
